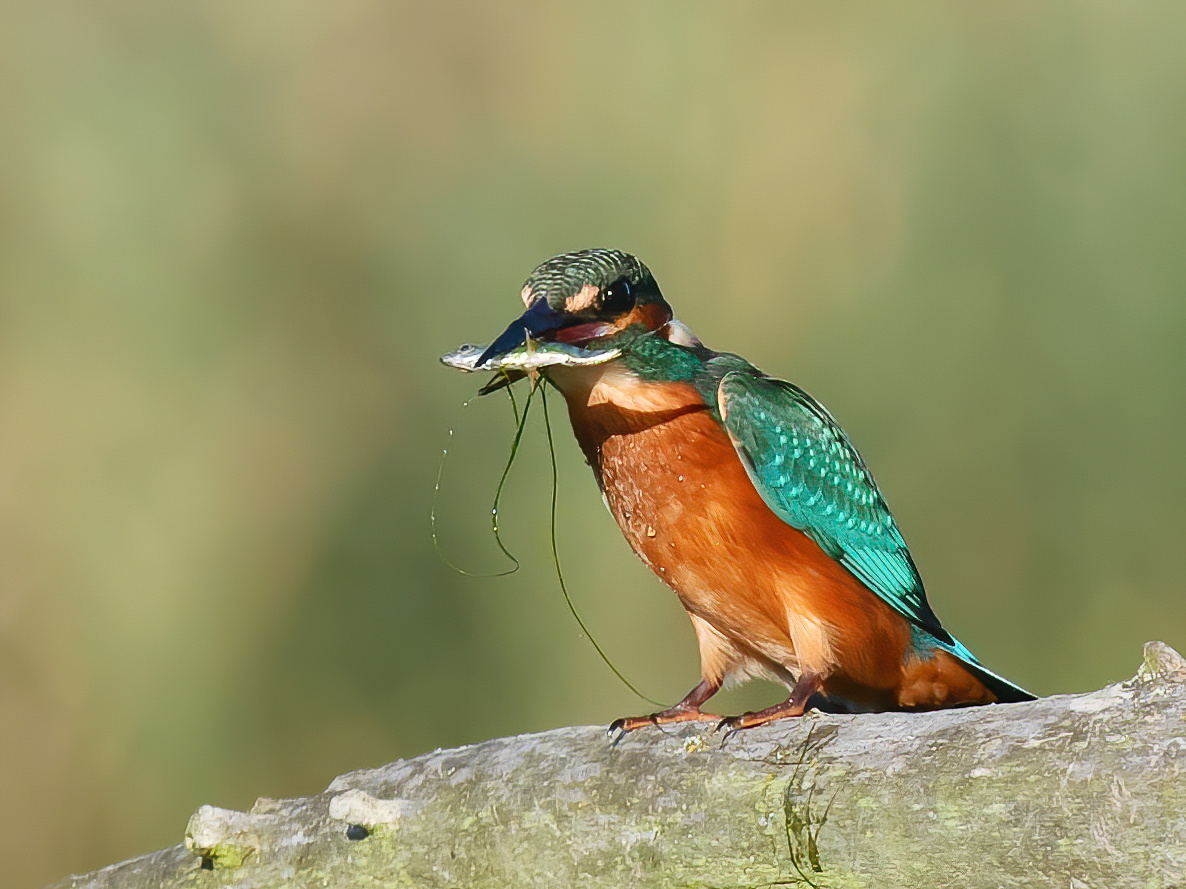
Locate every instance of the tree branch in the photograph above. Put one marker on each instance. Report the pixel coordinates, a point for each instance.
(1069, 791)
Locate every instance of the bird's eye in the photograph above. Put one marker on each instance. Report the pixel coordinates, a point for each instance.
(616, 298)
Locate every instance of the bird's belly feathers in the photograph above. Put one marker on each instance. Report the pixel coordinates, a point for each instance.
(681, 496)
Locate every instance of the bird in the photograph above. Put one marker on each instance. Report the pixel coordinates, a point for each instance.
(745, 497)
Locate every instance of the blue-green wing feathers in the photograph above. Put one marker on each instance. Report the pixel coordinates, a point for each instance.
(805, 468)
(808, 472)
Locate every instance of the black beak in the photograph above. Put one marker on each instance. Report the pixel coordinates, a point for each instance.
(538, 320)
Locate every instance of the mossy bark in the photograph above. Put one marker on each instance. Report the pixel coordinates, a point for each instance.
(1069, 791)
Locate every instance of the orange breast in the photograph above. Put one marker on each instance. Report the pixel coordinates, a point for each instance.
(682, 498)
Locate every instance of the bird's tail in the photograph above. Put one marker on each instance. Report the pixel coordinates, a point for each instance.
(1006, 692)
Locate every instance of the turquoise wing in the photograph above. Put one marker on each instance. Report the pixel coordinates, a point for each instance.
(808, 472)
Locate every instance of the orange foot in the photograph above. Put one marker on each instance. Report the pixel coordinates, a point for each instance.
(755, 718)
(663, 717)
(807, 685)
(687, 710)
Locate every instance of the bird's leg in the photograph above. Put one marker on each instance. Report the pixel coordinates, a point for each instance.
(687, 710)
(806, 685)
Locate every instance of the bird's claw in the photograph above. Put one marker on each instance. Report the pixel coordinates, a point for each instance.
(727, 728)
(616, 732)
(619, 728)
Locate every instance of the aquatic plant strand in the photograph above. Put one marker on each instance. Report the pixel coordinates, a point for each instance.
(520, 425)
(560, 574)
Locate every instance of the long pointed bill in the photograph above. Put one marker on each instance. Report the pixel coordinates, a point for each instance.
(536, 321)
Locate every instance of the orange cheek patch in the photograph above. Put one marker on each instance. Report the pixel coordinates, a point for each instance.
(582, 300)
(651, 316)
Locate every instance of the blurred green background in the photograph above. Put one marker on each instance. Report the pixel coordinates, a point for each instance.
(235, 237)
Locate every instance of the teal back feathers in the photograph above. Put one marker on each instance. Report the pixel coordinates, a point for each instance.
(808, 472)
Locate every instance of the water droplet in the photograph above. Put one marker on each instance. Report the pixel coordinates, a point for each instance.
(679, 478)
(651, 532)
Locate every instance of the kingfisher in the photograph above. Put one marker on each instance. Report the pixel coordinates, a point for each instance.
(745, 497)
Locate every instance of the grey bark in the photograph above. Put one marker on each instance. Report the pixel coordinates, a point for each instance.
(1069, 791)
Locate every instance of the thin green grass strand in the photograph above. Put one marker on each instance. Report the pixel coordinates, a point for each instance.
(560, 574)
(520, 425)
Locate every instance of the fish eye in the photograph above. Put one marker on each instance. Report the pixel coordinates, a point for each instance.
(616, 298)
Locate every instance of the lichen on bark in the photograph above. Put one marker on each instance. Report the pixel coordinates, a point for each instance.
(1074, 790)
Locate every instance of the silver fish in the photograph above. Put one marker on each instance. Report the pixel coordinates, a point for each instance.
(529, 357)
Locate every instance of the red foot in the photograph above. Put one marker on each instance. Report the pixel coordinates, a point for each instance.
(663, 717)
(760, 717)
(807, 685)
(687, 710)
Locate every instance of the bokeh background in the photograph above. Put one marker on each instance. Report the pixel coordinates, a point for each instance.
(235, 237)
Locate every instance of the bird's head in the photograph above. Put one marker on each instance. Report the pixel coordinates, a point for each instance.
(587, 300)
